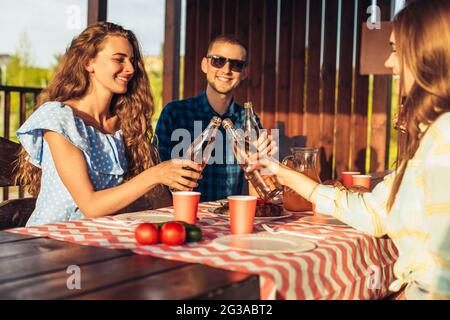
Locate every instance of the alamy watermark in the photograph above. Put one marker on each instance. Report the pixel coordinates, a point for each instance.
(221, 155)
(73, 21)
(373, 280)
(374, 20)
(74, 280)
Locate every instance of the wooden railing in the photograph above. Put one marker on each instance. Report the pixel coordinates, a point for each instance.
(15, 104)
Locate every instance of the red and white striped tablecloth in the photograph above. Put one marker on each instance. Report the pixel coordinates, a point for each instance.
(346, 265)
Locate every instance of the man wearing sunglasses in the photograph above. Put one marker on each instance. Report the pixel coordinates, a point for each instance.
(225, 67)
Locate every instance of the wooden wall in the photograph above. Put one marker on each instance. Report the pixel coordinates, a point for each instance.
(304, 90)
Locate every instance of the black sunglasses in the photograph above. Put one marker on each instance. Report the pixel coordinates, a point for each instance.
(218, 62)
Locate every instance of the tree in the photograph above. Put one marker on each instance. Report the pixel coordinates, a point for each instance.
(22, 72)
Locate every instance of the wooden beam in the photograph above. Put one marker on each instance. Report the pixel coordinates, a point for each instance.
(203, 35)
(255, 48)
(190, 64)
(311, 119)
(229, 16)
(284, 64)
(97, 11)
(171, 70)
(296, 106)
(360, 96)
(344, 101)
(215, 18)
(328, 89)
(379, 143)
(242, 33)
(268, 99)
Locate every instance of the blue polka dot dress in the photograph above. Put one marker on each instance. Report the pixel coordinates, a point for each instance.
(104, 155)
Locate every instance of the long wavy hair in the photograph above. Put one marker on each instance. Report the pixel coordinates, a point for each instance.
(422, 33)
(134, 108)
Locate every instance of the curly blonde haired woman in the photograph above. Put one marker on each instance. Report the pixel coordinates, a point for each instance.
(87, 149)
(411, 205)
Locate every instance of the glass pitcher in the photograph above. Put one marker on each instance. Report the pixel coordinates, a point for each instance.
(303, 160)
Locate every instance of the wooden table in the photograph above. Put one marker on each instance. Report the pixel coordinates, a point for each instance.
(344, 264)
(37, 268)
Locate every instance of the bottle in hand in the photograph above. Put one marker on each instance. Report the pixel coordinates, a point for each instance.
(266, 186)
(201, 148)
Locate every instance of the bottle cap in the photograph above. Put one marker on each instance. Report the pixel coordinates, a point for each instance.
(216, 121)
(227, 123)
(248, 105)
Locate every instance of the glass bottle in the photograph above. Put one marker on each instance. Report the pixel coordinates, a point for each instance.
(266, 186)
(303, 160)
(201, 148)
(250, 126)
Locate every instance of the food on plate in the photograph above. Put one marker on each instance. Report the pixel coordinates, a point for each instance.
(263, 209)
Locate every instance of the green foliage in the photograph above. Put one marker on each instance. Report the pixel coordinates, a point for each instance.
(21, 70)
(156, 83)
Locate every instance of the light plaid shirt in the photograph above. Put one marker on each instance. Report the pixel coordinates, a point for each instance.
(419, 222)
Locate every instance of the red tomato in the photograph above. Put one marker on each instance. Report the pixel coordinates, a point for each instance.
(173, 233)
(146, 233)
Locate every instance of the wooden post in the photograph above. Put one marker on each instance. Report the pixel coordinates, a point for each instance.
(360, 96)
(255, 57)
(97, 11)
(328, 80)
(268, 92)
(283, 81)
(171, 70)
(379, 145)
(311, 119)
(296, 97)
(190, 63)
(242, 33)
(344, 100)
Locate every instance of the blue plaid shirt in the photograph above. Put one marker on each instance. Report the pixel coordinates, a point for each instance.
(222, 177)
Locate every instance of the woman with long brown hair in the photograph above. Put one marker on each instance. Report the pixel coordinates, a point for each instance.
(87, 149)
(411, 205)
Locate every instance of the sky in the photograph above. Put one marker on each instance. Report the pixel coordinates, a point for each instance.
(50, 25)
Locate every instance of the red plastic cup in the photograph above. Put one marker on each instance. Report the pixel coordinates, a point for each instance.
(347, 177)
(361, 180)
(185, 205)
(242, 213)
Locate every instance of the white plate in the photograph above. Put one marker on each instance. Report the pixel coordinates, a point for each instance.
(145, 216)
(265, 242)
(324, 220)
(285, 214)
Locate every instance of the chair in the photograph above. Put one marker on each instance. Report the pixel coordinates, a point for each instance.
(13, 213)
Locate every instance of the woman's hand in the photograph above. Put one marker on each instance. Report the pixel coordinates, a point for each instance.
(297, 181)
(270, 166)
(265, 145)
(178, 174)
